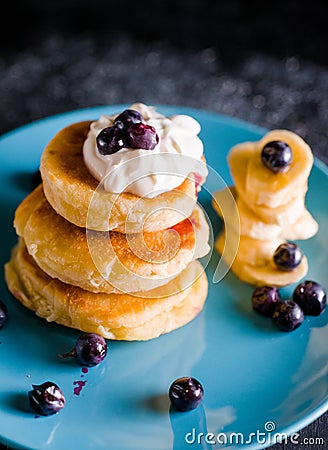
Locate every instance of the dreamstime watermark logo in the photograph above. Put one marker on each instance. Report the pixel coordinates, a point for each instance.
(149, 240)
(267, 436)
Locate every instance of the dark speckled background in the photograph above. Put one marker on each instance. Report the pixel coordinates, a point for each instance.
(262, 63)
(268, 65)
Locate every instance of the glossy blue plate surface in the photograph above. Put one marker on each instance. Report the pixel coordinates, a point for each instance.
(258, 381)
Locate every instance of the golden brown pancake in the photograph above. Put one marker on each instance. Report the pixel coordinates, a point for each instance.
(114, 316)
(108, 261)
(71, 189)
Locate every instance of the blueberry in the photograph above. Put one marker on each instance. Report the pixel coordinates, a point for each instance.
(111, 139)
(265, 299)
(141, 135)
(288, 316)
(186, 393)
(311, 297)
(276, 156)
(3, 314)
(288, 256)
(128, 117)
(90, 349)
(46, 399)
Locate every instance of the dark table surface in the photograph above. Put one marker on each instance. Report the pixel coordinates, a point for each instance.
(265, 65)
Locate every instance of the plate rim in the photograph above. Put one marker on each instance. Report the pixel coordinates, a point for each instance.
(211, 113)
(321, 408)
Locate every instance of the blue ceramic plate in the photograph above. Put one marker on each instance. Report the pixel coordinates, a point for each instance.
(258, 381)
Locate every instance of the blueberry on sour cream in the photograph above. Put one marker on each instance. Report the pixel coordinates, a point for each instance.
(110, 140)
(129, 117)
(128, 130)
(141, 135)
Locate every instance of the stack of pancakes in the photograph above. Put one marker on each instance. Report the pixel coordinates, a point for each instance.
(269, 210)
(75, 263)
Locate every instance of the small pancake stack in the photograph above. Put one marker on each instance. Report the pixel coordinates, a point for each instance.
(76, 264)
(271, 209)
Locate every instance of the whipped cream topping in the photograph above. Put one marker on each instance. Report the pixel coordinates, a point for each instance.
(148, 173)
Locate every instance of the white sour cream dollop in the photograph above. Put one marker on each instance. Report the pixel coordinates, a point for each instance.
(148, 173)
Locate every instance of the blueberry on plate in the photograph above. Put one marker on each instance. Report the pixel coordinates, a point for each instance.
(288, 316)
(3, 314)
(288, 256)
(277, 156)
(265, 299)
(46, 398)
(311, 297)
(90, 349)
(186, 393)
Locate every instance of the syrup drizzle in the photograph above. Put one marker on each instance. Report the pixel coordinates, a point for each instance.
(79, 384)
